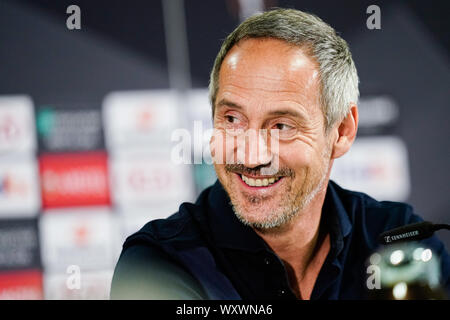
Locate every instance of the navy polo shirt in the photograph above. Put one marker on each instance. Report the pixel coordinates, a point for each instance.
(204, 252)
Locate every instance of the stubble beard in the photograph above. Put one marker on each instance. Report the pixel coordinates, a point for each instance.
(292, 202)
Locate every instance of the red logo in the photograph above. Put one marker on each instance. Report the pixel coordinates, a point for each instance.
(11, 185)
(21, 285)
(81, 235)
(144, 120)
(74, 179)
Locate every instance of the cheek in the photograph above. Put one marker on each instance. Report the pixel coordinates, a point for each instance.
(295, 157)
(221, 174)
(222, 147)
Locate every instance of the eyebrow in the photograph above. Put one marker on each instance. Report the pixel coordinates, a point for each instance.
(282, 112)
(225, 102)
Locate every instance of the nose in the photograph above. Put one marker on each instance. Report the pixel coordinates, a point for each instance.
(252, 149)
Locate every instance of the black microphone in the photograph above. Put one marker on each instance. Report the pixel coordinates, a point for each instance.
(415, 231)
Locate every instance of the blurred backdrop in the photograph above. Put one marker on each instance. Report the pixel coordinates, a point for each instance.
(87, 116)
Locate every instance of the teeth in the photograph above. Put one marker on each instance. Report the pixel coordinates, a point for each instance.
(259, 182)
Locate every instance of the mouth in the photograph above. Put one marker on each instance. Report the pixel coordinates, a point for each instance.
(261, 182)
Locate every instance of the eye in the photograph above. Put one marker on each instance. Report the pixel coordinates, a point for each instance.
(231, 119)
(283, 127)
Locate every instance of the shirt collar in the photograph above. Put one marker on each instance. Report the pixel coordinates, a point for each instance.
(229, 232)
(335, 218)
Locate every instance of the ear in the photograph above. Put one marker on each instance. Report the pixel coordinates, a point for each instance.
(346, 133)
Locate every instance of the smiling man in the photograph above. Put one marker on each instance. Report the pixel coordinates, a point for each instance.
(284, 93)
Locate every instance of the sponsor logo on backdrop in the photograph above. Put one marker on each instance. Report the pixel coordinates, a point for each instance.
(16, 124)
(77, 179)
(19, 187)
(149, 181)
(67, 129)
(81, 234)
(377, 166)
(143, 119)
(19, 244)
(21, 285)
(11, 185)
(9, 129)
(84, 237)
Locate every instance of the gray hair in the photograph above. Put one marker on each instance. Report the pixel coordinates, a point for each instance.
(339, 78)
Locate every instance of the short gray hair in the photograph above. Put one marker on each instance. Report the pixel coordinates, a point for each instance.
(339, 78)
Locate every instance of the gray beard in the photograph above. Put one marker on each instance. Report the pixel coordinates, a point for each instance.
(273, 223)
(281, 219)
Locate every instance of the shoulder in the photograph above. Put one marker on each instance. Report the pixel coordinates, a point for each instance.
(378, 215)
(150, 267)
(145, 272)
(370, 217)
(183, 228)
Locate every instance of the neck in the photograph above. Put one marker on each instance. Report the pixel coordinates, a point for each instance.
(300, 234)
(298, 242)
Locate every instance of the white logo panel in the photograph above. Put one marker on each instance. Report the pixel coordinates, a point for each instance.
(19, 187)
(83, 237)
(150, 181)
(140, 119)
(94, 285)
(17, 125)
(377, 166)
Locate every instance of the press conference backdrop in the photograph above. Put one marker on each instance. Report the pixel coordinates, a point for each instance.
(87, 122)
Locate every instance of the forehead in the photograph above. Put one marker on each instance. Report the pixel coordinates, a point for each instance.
(268, 70)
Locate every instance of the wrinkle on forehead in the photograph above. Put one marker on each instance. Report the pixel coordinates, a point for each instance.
(267, 59)
(256, 69)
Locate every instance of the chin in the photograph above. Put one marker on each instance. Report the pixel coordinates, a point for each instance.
(267, 214)
(254, 215)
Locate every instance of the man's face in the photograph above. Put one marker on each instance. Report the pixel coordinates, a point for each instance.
(269, 84)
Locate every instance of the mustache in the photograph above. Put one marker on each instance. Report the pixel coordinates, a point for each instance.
(256, 171)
